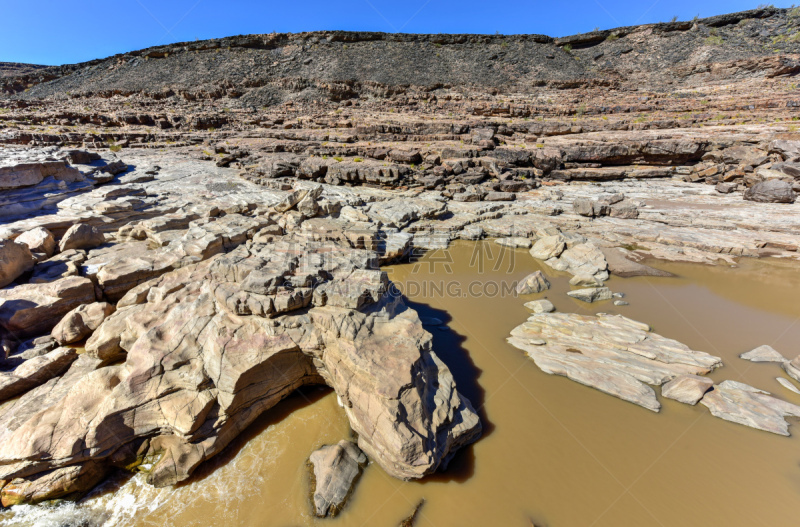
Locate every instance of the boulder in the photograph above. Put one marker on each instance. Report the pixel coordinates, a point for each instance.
(39, 240)
(626, 211)
(81, 236)
(584, 207)
(771, 191)
(582, 259)
(548, 247)
(533, 283)
(336, 469)
(687, 389)
(725, 188)
(15, 260)
(81, 322)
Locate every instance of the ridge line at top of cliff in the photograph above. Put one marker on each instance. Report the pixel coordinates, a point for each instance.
(273, 40)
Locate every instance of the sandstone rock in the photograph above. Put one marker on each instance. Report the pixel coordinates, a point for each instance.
(81, 236)
(745, 405)
(336, 469)
(582, 280)
(533, 283)
(548, 247)
(291, 199)
(308, 206)
(786, 383)
(81, 322)
(620, 265)
(62, 265)
(591, 294)
(763, 353)
(514, 242)
(398, 213)
(725, 188)
(29, 174)
(191, 389)
(34, 309)
(793, 368)
(581, 259)
(67, 482)
(114, 168)
(687, 389)
(590, 208)
(627, 211)
(500, 196)
(611, 353)
(540, 306)
(15, 260)
(39, 240)
(771, 191)
(35, 371)
(36, 347)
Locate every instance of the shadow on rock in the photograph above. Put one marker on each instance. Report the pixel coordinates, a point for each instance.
(448, 345)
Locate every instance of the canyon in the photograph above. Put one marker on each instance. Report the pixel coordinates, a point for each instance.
(192, 233)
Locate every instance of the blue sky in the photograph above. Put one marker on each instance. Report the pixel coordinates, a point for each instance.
(59, 32)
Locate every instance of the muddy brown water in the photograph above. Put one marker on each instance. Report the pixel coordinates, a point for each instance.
(554, 453)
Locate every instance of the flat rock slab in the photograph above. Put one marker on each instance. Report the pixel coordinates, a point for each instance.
(36, 371)
(620, 265)
(786, 383)
(336, 469)
(688, 389)
(743, 404)
(611, 353)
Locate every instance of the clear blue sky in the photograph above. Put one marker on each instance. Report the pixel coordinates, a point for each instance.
(62, 31)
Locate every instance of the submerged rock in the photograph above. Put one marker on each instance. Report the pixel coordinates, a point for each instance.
(336, 469)
(611, 353)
